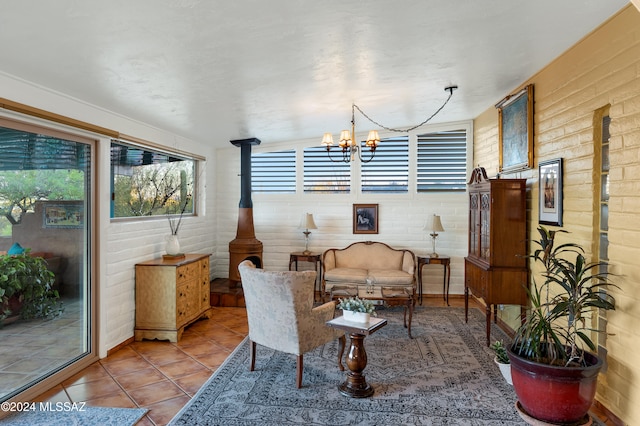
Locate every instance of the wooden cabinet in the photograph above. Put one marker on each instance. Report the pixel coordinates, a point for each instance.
(171, 294)
(496, 268)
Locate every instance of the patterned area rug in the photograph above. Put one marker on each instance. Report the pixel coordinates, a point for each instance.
(444, 376)
(84, 416)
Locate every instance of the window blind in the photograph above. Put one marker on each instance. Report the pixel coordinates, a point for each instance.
(389, 170)
(274, 172)
(442, 161)
(323, 175)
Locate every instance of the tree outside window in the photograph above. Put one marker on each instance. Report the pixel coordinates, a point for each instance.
(150, 183)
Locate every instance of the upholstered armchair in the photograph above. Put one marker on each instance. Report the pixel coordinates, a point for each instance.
(281, 314)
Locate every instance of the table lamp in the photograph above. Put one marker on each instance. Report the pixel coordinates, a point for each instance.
(436, 226)
(306, 224)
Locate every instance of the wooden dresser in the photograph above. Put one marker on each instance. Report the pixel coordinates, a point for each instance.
(496, 268)
(171, 294)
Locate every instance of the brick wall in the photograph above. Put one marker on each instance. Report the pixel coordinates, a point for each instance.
(603, 69)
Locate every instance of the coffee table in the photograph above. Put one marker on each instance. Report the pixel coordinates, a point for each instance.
(391, 295)
(355, 386)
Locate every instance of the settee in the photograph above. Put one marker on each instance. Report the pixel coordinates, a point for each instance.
(369, 263)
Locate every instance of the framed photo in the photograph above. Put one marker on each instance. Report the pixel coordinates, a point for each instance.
(365, 218)
(550, 189)
(63, 215)
(515, 131)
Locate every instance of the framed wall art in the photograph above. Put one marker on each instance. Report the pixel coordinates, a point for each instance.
(62, 214)
(365, 218)
(550, 190)
(515, 131)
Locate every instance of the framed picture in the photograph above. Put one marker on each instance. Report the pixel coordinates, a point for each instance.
(550, 189)
(365, 218)
(515, 131)
(63, 215)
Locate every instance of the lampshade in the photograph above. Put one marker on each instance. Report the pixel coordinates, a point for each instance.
(307, 222)
(373, 139)
(436, 224)
(327, 139)
(345, 138)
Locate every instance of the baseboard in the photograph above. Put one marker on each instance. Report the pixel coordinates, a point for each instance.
(611, 418)
(506, 328)
(120, 346)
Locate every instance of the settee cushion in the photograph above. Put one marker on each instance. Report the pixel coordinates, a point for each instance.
(390, 277)
(350, 275)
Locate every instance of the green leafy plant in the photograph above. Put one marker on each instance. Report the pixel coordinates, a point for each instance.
(355, 304)
(27, 279)
(501, 352)
(555, 330)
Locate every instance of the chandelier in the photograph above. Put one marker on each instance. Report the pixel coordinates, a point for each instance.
(350, 148)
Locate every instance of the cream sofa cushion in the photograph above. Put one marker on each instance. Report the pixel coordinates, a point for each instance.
(390, 277)
(352, 275)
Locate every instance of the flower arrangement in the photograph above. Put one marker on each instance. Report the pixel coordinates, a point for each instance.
(355, 304)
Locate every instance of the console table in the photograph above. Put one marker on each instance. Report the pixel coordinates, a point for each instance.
(440, 260)
(355, 386)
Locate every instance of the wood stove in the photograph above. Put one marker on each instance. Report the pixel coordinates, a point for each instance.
(245, 246)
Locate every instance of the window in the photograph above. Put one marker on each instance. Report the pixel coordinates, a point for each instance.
(604, 191)
(274, 172)
(323, 175)
(601, 190)
(442, 161)
(389, 170)
(146, 182)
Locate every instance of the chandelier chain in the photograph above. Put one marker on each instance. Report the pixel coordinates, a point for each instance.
(450, 89)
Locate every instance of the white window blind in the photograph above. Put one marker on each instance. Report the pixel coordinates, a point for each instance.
(274, 172)
(442, 159)
(389, 170)
(323, 175)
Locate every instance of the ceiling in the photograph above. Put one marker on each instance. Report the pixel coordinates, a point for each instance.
(284, 70)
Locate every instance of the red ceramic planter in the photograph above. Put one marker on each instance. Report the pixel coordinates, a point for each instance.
(561, 395)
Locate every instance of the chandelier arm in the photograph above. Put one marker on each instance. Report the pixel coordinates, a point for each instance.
(450, 89)
(335, 161)
(373, 154)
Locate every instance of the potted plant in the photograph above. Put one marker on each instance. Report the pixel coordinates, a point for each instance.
(26, 288)
(554, 374)
(357, 310)
(501, 359)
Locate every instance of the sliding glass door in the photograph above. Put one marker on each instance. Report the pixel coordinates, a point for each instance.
(45, 221)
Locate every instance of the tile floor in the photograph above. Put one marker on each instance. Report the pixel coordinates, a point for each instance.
(31, 349)
(157, 375)
(163, 376)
